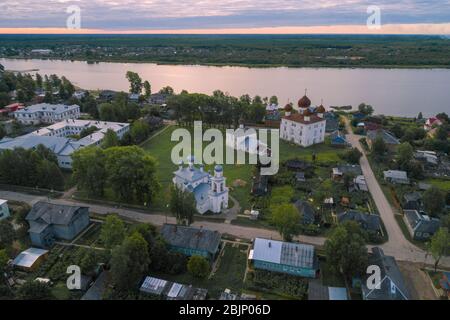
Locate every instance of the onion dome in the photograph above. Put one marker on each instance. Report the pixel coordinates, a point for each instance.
(320, 109)
(288, 107)
(218, 168)
(304, 102)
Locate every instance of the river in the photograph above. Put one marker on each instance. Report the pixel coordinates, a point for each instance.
(403, 92)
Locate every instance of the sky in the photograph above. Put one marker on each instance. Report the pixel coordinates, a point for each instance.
(225, 16)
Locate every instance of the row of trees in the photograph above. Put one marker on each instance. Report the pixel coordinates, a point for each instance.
(220, 109)
(31, 168)
(129, 171)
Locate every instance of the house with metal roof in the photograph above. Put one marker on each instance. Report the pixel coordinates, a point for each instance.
(338, 139)
(172, 290)
(412, 201)
(352, 169)
(396, 176)
(284, 257)
(47, 113)
(360, 183)
(389, 139)
(192, 241)
(30, 259)
(391, 286)
(49, 222)
(420, 226)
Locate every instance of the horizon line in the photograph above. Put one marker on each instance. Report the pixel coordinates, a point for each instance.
(442, 29)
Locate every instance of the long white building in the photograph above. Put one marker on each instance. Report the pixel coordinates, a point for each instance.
(57, 138)
(305, 128)
(47, 113)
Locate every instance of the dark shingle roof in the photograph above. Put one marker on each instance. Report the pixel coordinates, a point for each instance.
(369, 222)
(48, 213)
(192, 238)
(306, 210)
(389, 272)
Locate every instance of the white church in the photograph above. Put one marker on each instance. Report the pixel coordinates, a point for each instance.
(306, 127)
(210, 191)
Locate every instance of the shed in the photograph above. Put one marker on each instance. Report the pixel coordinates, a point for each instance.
(30, 259)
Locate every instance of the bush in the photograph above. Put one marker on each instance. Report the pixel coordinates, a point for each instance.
(279, 283)
(198, 267)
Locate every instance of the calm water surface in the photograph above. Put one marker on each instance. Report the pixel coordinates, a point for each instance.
(391, 91)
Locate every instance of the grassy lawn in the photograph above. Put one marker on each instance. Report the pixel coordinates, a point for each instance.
(442, 184)
(230, 273)
(161, 147)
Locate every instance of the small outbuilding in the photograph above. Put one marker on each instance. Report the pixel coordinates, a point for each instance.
(30, 259)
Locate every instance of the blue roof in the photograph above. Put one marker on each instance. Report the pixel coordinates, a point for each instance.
(201, 193)
(218, 168)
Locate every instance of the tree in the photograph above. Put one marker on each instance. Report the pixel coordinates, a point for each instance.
(440, 245)
(420, 116)
(132, 174)
(182, 205)
(434, 201)
(365, 109)
(405, 154)
(4, 99)
(4, 258)
(89, 170)
(34, 290)
(110, 139)
(379, 147)
(345, 250)
(442, 133)
(352, 156)
(135, 82)
(49, 175)
(113, 231)
(198, 267)
(7, 234)
(166, 90)
(273, 100)
(147, 89)
(89, 262)
(129, 262)
(285, 218)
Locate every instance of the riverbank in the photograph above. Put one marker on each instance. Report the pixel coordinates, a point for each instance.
(227, 64)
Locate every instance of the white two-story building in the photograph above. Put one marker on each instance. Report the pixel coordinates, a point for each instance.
(47, 113)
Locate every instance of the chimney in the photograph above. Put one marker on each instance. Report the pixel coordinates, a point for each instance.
(307, 118)
(320, 115)
(288, 113)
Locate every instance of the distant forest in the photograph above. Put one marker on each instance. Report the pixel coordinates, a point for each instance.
(377, 51)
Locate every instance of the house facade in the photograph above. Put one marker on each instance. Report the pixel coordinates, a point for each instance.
(192, 241)
(46, 113)
(210, 191)
(305, 128)
(420, 226)
(49, 222)
(284, 257)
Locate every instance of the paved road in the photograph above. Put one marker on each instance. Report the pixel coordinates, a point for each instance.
(397, 245)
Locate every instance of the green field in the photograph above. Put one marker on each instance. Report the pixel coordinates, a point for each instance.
(161, 147)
